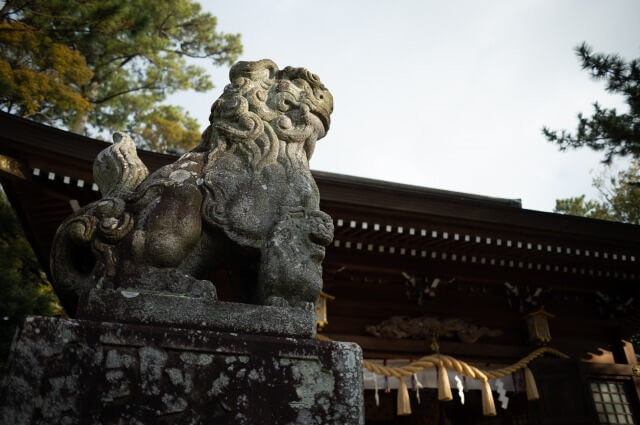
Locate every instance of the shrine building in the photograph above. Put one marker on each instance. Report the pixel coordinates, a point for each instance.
(469, 309)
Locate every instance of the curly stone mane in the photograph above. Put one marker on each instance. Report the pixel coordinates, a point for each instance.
(252, 111)
(266, 118)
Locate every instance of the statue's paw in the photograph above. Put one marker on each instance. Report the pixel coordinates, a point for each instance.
(204, 289)
(321, 228)
(275, 301)
(182, 283)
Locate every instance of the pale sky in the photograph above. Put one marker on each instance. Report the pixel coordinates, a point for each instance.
(443, 94)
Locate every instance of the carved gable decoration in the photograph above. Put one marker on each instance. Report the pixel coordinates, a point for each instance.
(403, 327)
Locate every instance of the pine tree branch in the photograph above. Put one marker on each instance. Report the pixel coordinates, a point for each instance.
(127, 59)
(161, 29)
(5, 9)
(120, 93)
(190, 55)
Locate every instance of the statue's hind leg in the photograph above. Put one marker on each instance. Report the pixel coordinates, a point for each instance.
(172, 228)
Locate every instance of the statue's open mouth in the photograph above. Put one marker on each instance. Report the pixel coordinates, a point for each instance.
(323, 116)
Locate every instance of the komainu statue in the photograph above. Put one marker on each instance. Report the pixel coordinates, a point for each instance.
(244, 199)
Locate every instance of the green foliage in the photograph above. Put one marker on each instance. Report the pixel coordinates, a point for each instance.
(578, 206)
(24, 287)
(39, 78)
(615, 133)
(168, 127)
(137, 51)
(620, 198)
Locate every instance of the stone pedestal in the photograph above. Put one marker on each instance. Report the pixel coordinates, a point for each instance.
(179, 311)
(85, 372)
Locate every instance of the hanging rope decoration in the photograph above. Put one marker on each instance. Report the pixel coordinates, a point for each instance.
(442, 362)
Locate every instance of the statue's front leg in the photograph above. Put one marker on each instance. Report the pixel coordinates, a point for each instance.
(290, 265)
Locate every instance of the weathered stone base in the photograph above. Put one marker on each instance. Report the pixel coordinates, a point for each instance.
(163, 309)
(81, 372)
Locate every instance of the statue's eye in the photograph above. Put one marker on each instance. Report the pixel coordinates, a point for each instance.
(285, 104)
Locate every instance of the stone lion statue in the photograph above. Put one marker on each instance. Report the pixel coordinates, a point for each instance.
(244, 199)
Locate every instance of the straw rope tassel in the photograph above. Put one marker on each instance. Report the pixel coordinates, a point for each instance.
(488, 406)
(404, 403)
(464, 369)
(457, 365)
(530, 384)
(444, 389)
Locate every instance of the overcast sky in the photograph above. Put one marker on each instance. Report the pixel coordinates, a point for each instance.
(443, 94)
